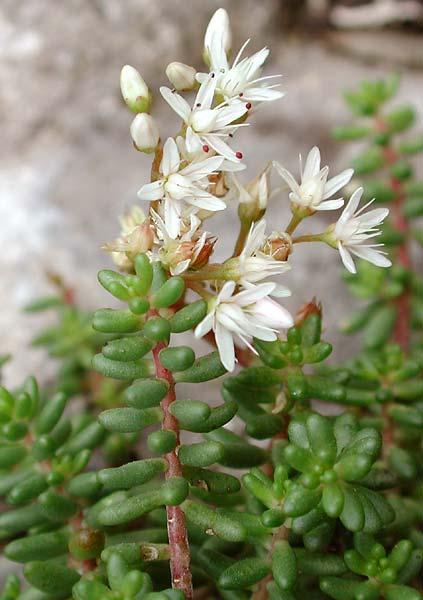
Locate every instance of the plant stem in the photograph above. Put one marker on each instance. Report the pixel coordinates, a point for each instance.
(176, 525)
(261, 592)
(293, 224)
(402, 326)
(242, 236)
(318, 237)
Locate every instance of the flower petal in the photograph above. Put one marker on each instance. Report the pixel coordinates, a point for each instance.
(312, 165)
(346, 258)
(336, 183)
(225, 345)
(177, 103)
(151, 191)
(204, 326)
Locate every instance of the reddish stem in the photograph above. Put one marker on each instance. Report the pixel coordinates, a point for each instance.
(176, 525)
(402, 326)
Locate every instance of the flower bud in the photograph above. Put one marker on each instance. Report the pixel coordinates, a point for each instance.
(181, 76)
(134, 90)
(253, 197)
(218, 26)
(145, 133)
(278, 246)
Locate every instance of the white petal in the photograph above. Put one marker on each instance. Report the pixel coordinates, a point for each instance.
(281, 291)
(206, 92)
(206, 201)
(171, 159)
(172, 218)
(254, 293)
(205, 325)
(370, 254)
(225, 345)
(352, 205)
(151, 191)
(346, 258)
(226, 291)
(203, 168)
(255, 238)
(193, 141)
(286, 175)
(229, 114)
(221, 147)
(272, 314)
(312, 165)
(331, 204)
(262, 94)
(177, 103)
(336, 183)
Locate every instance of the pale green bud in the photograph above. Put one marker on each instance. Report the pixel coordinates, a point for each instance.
(181, 76)
(145, 133)
(134, 90)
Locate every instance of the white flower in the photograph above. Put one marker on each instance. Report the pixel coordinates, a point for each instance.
(145, 133)
(191, 247)
(182, 185)
(247, 314)
(134, 90)
(254, 265)
(242, 80)
(181, 76)
(218, 24)
(315, 188)
(355, 227)
(206, 126)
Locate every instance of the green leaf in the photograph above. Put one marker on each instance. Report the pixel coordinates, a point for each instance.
(38, 547)
(243, 574)
(51, 578)
(188, 317)
(169, 293)
(379, 326)
(109, 320)
(128, 349)
(284, 565)
(117, 369)
(146, 393)
(132, 474)
(177, 359)
(205, 368)
(202, 454)
(127, 420)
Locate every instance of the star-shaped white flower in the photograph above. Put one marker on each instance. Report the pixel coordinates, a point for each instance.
(207, 127)
(242, 80)
(354, 228)
(180, 186)
(244, 315)
(254, 265)
(315, 188)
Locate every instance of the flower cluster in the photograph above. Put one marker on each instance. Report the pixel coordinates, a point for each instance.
(194, 175)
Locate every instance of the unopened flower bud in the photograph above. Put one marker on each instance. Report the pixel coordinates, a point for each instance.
(218, 26)
(181, 76)
(135, 91)
(253, 198)
(145, 133)
(136, 237)
(278, 246)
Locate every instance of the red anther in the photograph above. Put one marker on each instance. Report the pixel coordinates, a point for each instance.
(248, 105)
(241, 94)
(206, 148)
(238, 155)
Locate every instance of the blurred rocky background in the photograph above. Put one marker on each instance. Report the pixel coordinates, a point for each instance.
(68, 169)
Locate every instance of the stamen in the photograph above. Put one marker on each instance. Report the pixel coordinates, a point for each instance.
(248, 105)
(238, 155)
(206, 148)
